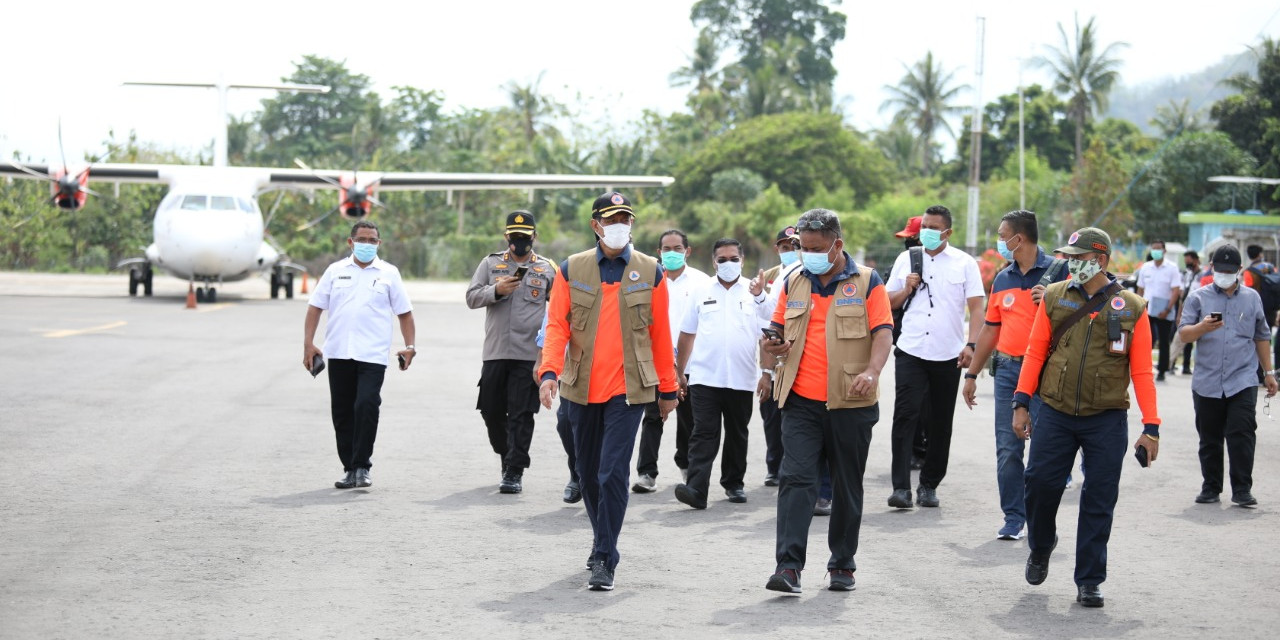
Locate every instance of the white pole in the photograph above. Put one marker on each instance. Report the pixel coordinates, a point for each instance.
(1022, 158)
(975, 149)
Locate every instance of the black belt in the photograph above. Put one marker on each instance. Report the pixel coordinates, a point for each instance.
(1013, 358)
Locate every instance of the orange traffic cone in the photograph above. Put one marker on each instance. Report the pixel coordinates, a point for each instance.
(191, 295)
(304, 281)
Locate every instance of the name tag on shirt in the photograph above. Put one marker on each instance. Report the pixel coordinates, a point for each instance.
(1121, 346)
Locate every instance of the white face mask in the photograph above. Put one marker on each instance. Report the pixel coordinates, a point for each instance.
(729, 271)
(1225, 280)
(617, 236)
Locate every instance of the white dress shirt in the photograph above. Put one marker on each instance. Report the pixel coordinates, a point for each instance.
(1157, 283)
(728, 331)
(679, 291)
(361, 303)
(933, 328)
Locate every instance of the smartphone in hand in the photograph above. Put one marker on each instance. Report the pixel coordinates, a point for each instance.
(403, 364)
(521, 271)
(1216, 315)
(317, 365)
(771, 334)
(1141, 455)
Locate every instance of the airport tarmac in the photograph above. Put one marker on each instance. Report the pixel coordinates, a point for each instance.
(170, 475)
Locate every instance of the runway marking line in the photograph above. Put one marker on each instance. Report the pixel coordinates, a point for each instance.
(66, 333)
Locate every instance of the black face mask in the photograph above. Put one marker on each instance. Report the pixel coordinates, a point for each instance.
(912, 242)
(521, 246)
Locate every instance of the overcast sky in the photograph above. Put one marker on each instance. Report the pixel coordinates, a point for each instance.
(611, 59)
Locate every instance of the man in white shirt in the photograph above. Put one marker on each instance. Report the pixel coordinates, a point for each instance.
(724, 321)
(931, 351)
(682, 280)
(1160, 283)
(361, 294)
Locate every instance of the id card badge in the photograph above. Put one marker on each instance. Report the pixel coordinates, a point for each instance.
(1119, 347)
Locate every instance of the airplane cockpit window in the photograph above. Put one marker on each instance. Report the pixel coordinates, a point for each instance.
(246, 205)
(222, 203)
(195, 203)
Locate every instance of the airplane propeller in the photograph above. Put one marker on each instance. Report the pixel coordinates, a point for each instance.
(354, 198)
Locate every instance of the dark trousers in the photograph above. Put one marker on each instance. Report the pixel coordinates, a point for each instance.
(565, 430)
(604, 434)
(1234, 421)
(355, 393)
(1186, 358)
(508, 399)
(1103, 439)
(651, 437)
(808, 428)
(772, 419)
(922, 383)
(1162, 330)
(710, 406)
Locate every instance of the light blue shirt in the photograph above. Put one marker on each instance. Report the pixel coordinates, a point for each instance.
(1226, 358)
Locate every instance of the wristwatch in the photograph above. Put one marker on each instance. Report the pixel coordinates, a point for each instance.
(409, 347)
(1019, 405)
(766, 372)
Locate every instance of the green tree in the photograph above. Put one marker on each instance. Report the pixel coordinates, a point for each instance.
(1177, 181)
(707, 99)
(1251, 118)
(1084, 72)
(796, 151)
(1046, 132)
(315, 126)
(924, 97)
(1177, 118)
(1097, 188)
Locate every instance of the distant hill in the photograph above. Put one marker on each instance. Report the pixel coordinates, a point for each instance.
(1138, 103)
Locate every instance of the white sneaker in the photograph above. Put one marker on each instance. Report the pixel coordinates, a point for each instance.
(644, 484)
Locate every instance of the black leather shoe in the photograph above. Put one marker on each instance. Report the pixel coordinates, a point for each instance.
(363, 479)
(347, 482)
(927, 497)
(511, 481)
(771, 480)
(690, 497)
(1244, 498)
(1038, 564)
(1089, 595)
(1207, 497)
(736, 496)
(572, 492)
(901, 499)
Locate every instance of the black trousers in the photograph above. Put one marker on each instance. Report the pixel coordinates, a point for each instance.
(772, 419)
(564, 429)
(809, 428)
(355, 394)
(1162, 330)
(651, 437)
(1234, 421)
(710, 405)
(507, 401)
(922, 383)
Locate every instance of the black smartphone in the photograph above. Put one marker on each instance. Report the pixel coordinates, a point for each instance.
(771, 333)
(1141, 455)
(317, 365)
(401, 359)
(520, 271)
(1216, 315)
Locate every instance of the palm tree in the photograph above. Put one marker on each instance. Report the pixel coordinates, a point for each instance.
(1083, 73)
(924, 99)
(1176, 118)
(531, 105)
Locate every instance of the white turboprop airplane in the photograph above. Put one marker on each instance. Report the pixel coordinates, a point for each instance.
(209, 228)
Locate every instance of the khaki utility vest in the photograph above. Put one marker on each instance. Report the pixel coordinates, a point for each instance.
(1086, 375)
(848, 338)
(635, 310)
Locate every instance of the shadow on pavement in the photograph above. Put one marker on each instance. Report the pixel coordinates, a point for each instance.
(556, 600)
(1032, 615)
(318, 497)
(816, 607)
(551, 523)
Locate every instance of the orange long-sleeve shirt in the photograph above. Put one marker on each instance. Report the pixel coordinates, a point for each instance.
(1144, 385)
(608, 378)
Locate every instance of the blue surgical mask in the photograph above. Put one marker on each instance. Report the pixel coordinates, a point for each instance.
(365, 252)
(931, 239)
(672, 260)
(1157, 254)
(789, 257)
(817, 263)
(1003, 249)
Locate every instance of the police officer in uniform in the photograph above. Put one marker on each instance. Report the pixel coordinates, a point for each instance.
(513, 288)
(836, 328)
(609, 307)
(1089, 338)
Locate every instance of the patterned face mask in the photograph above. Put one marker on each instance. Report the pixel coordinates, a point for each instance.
(1083, 271)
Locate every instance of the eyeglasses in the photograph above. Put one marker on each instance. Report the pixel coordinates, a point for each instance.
(812, 225)
(366, 241)
(722, 259)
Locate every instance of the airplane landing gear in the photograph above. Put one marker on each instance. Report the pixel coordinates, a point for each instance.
(281, 279)
(206, 295)
(140, 275)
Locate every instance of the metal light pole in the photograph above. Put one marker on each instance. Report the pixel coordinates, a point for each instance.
(975, 148)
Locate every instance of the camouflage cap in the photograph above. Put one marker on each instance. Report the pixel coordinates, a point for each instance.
(1087, 240)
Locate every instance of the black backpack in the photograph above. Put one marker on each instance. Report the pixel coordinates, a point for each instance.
(916, 255)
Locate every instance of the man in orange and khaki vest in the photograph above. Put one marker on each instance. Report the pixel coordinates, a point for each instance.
(835, 329)
(610, 308)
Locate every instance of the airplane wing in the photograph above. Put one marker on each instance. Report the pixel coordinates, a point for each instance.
(407, 181)
(107, 172)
